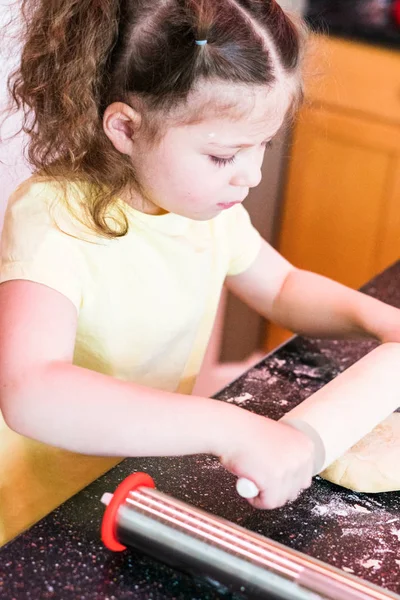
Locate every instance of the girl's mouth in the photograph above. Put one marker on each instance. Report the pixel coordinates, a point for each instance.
(224, 205)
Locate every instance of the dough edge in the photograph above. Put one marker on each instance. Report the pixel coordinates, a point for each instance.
(369, 476)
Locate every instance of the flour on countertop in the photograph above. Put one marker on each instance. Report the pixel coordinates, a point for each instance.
(277, 362)
(371, 563)
(363, 524)
(396, 532)
(212, 463)
(337, 506)
(354, 530)
(240, 399)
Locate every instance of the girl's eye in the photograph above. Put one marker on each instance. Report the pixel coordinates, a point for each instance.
(222, 162)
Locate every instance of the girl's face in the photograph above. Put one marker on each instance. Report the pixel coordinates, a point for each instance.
(201, 169)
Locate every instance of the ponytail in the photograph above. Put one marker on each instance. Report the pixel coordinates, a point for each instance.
(60, 79)
(59, 87)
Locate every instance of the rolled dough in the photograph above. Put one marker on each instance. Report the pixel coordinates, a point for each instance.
(373, 464)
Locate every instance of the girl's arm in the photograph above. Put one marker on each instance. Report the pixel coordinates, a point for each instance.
(312, 305)
(43, 396)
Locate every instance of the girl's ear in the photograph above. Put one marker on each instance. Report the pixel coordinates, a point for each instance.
(121, 123)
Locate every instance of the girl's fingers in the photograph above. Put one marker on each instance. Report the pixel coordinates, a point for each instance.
(271, 498)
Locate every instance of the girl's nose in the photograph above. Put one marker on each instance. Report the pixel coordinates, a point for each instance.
(248, 176)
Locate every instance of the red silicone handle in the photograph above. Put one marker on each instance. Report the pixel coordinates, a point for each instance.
(108, 526)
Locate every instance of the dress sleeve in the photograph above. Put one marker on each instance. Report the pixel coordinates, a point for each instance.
(33, 248)
(245, 241)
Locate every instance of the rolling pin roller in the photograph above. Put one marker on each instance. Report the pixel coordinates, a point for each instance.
(195, 541)
(345, 410)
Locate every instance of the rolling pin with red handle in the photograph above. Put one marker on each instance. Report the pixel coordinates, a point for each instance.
(192, 540)
(345, 410)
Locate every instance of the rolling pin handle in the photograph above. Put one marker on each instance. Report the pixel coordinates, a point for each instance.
(246, 488)
(106, 498)
(114, 501)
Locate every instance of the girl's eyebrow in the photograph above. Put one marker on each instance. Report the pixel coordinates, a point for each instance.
(234, 146)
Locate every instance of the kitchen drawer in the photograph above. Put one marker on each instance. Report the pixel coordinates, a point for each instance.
(354, 76)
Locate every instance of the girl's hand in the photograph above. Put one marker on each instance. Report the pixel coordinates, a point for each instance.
(379, 320)
(276, 457)
(392, 332)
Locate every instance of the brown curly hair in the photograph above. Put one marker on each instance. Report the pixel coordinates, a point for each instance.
(81, 55)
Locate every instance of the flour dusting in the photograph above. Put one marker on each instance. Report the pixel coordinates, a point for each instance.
(334, 507)
(371, 563)
(278, 363)
(212, 463)
(396, 532)
(240, 399)
(352, 531)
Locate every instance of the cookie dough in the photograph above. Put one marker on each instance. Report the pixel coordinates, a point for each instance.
(373, 464)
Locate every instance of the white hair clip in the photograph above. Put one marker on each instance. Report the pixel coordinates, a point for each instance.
(201, 42)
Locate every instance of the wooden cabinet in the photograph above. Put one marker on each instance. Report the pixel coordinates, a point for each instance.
(341, 205)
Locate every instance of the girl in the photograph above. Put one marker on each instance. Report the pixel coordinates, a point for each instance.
(148, 122)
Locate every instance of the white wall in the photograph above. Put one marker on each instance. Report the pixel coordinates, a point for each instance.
(12, 166)
(296, 5)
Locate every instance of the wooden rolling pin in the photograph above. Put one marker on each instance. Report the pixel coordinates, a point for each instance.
(345, 410)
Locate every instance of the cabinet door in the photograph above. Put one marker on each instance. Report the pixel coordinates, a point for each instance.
(341, 213)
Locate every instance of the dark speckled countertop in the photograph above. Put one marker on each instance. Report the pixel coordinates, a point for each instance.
(355, 20)
(62, 557)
